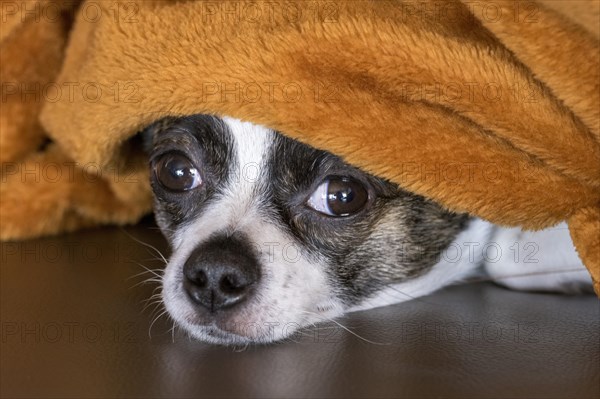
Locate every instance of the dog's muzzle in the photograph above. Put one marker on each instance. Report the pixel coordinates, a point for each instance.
(221, 273)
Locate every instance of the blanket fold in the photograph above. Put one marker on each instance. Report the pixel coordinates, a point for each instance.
(488, 107)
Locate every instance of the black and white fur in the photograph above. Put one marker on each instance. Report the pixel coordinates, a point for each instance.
(299, 266)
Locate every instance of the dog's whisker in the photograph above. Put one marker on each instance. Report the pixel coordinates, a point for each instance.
(162, 257)
(162, 229)
(154, 321)
(153, 297)
(150, 260)
(156, 302)
(151, 302)
(151, 271)
(303, 332)
(156, 310)
(241, 348)
(344, 328)
(410, 297)
(156, 271)
(173, 332)
(149, 280)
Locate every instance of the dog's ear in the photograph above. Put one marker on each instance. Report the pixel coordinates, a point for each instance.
(149, 134)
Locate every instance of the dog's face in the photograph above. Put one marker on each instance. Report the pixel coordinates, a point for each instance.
(270, 235)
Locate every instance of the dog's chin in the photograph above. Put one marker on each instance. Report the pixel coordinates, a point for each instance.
(229, 333)
(214, 335)
(242, 327)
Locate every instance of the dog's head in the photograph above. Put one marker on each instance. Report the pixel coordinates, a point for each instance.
(270, 235)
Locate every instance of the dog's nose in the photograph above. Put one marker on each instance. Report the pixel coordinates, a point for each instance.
(220, 273)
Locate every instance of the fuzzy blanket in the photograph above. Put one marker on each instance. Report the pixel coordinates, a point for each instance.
(489, 107)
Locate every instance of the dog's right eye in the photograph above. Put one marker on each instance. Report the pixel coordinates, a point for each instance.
(176, 172)
(339, 196)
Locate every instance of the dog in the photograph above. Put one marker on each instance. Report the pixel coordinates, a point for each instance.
(270, 235)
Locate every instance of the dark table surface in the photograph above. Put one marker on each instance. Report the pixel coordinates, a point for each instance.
(76, 322)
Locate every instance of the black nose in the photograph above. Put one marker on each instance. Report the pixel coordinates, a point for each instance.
(221, 273)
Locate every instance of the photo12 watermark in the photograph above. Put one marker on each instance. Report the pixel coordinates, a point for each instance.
(67, 172)
(268, 92)
(469, 332)
(55, 11)
(518, 11)
(70, 92)
(68, 332)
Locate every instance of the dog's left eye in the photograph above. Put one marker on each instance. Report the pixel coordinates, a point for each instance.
(339, 196)
(176, 172)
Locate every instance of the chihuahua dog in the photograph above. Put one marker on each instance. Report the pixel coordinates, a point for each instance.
(270, 235)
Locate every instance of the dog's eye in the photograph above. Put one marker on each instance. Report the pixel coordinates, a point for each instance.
(176, 172)
(339, 196)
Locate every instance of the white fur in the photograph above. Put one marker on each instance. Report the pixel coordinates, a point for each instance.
(543, 260)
